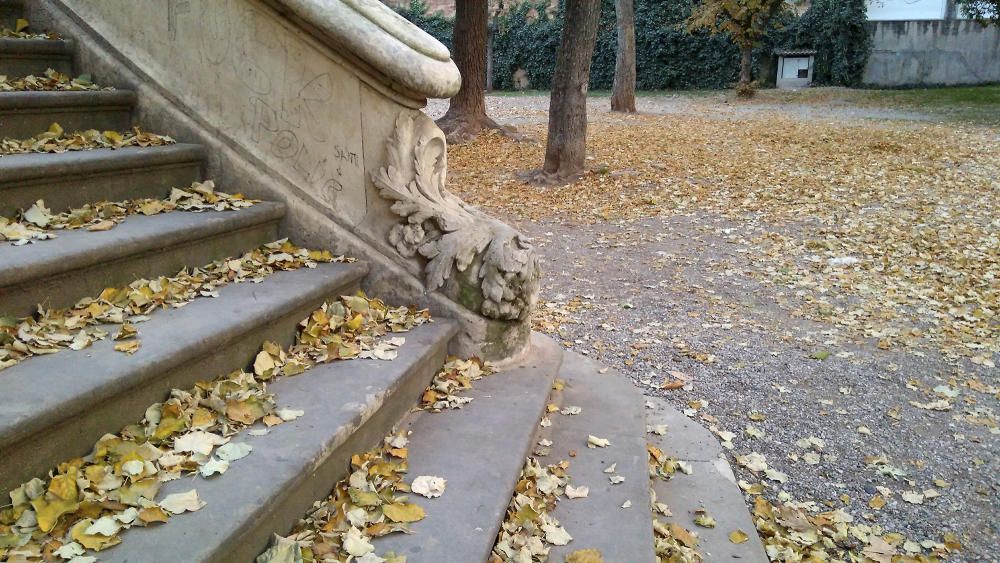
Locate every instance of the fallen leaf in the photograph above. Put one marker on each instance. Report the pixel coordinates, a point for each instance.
(738, 536)
(595, 442)
(178, 503)
(403, 512)
(428, 486)
(585, 556)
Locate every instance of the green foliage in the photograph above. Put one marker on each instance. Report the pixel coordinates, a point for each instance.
(985, 12)
(838, 31)
(436, 24)
(668, 56)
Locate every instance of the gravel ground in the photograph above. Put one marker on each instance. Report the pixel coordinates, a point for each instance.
(515, 110)
(676, 294)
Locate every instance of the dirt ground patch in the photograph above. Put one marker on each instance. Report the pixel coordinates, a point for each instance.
(810, 271)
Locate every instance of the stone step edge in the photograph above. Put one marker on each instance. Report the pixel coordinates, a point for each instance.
(480, 450)
(611, 408)
(711, 485)
(349, 407)
(62, 48)
(137, 236)
(83, 101)
(18, 169)
(57, 406)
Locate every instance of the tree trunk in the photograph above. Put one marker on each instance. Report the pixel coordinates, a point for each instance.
(746, 65)
(467, 109)
(566, 149)
(623, 91)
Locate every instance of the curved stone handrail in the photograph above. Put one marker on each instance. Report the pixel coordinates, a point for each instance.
(385, 40)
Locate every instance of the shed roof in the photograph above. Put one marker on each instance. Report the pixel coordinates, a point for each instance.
(794, 52)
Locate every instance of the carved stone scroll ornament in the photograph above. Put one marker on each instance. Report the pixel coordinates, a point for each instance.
(446, 231)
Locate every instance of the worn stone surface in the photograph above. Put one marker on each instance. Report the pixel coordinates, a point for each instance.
(264, 87)
(349, 407)
(77, 263)
(73, 179)
(611, 408)
(404, 53)
(479, 450)
(57, 406)
(26, 114)
(283, 115)
(21, 57)
(711, 486)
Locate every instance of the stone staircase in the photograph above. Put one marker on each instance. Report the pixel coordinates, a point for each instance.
(55, 407)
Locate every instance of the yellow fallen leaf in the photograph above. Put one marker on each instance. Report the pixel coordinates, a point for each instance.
(48, 513)
(585, 556)
(403, 512)
(95, 542)
(153, 514)
(738, 536)
(877, 502)
(247, 411)
(263, 365)
(130, 347)
(683, 535)
(356, 322)
(64, 486)
(113, 137)
(20, 25)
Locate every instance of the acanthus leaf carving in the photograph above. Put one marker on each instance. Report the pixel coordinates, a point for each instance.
(447, 232)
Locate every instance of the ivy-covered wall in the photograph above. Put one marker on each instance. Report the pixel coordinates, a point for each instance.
(667, 56)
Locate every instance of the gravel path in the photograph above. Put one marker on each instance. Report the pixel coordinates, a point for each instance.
(677, 294)
(515, 110)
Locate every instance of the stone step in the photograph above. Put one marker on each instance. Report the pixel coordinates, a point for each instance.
(611, 408)
(26, 114)
(711, 486)
(73, 179)
(21, 57)
(57, 273)
(349, 407)
(56, 406)
(10, 11)
(479, 450)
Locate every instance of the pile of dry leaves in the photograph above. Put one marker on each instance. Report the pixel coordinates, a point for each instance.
(22, 31)
(77, 327)
(37, 222)
(87, 502)
(56, 140)
(52, 80)
(529, 527)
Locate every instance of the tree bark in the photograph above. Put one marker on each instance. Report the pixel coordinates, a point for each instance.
(466, 115)
(746, 64)
(623, 91)
(566, 149)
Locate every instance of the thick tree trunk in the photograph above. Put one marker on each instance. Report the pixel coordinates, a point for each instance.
(623, 91)
(566, 149)
(467, 110)
(746, 65)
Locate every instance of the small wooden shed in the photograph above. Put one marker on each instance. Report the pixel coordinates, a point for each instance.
(795, 67)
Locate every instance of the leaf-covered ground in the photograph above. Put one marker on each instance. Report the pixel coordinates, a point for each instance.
(816, 273)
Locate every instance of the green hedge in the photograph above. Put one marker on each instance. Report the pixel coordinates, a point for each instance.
(667, 55)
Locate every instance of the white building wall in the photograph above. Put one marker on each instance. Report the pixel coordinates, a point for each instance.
(892, 10)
